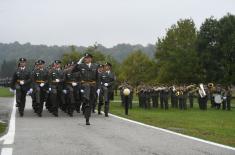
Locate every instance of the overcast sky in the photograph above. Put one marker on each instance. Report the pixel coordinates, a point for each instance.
(109, 22)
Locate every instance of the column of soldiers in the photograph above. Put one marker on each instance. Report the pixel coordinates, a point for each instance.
(73, 87)
(162, 95)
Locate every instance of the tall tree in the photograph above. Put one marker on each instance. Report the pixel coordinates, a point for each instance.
(176, 54)
(227, 47)
(138, 67)
(208, 50)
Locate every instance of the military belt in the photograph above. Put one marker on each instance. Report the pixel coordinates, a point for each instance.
(89, 82)
(18, 81)
(40, 81)
(70, 82)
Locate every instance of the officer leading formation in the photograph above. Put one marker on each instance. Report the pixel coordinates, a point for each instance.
(74, 87)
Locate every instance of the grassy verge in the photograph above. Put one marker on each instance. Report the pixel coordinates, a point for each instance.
(2, 128)
(4, 92)
(214, 125)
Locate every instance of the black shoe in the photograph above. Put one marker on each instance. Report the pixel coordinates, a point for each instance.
(99, 113)
(39, 115)
(87, 122)
(21, 114)
(70, 115)
(106, 115)
(55, 114)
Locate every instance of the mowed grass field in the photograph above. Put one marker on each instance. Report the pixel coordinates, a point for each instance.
(4, 92)
(213, 125)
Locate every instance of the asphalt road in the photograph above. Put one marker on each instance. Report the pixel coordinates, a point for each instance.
(64, 135)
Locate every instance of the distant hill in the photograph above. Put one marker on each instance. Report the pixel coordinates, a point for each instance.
(13, 51)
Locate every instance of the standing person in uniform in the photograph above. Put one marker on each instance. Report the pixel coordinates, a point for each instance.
(56, 79)
(88, 73)
(39, 85)
(21, 83)
(228, 97)
(107, 79)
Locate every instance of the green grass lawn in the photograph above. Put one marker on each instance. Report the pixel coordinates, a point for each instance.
(4, 92)
(2, 128)
(214, 125)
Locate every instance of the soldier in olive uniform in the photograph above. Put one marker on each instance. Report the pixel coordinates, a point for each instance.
(88, 73)
(33, 95)
(56, 79)
(71, 89)
(39, 85)
(107, 79)
(21, 83)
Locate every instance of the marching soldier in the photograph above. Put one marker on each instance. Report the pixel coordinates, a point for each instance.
(39, 85)
(88, 73)
(33, 96)
(71, 89)
(56, 79)
(107, 79)
(21, 83)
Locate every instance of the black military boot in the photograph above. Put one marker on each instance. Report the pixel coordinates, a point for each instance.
(99, 109)
(87, 121)
(39, 114)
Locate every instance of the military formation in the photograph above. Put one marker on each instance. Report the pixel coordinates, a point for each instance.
(179, 96)
(76, 86)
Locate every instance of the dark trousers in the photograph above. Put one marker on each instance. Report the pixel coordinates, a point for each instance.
(155, 101)
(104, 96)
(228, 100)
(40, 94)
(89, 96)
(70, 98)
(20, 99)
(191, 101)
(126, 101)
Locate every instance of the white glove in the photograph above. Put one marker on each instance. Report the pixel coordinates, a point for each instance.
(21, 82)
(65, 91)
(98, 92)
(57, 80)
(74, 84)
(49, 89)
(82, 91)
(80, 60)
(12, 90)
(42, 84)
(30, 91)
(106, 84)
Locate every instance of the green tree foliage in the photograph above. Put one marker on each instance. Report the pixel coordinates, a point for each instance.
(137, 67)
(208, 50)
(216, 49)
(227, 47)
(176, 54)
(73, 55)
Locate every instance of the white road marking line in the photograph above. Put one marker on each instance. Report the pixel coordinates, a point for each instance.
(174, 133)
(9, 137)
(6, 151)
